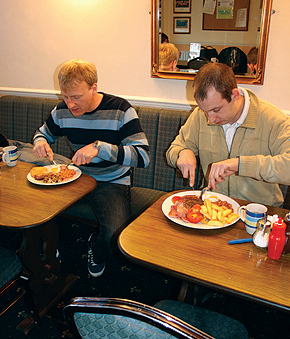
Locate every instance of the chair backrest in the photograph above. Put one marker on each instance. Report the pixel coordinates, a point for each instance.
(10, 266)
(235, 58)
(12, 280)
(208, 52)
(99, 317)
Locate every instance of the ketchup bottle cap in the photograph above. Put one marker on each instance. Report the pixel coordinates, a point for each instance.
(280, 225)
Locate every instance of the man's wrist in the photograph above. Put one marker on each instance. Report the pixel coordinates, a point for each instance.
(183, 149)
(39, 139)
(97, 144)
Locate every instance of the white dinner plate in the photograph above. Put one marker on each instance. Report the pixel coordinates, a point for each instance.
(166, 206)
(65, 181)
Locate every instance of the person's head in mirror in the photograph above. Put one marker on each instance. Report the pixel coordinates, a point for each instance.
(252, 58)
(164, 38)
(168, 57)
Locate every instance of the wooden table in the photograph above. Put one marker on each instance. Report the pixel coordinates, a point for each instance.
(31, 208)
(204, 257)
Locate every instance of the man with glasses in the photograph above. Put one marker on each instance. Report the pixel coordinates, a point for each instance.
(105, 134)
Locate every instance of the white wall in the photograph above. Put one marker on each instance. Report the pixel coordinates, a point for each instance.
(38, 35)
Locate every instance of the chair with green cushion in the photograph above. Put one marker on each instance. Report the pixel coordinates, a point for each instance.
(12, 280)
(120, 318)
(218, 325)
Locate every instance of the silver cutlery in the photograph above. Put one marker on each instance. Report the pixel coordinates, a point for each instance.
(52, 162)
(70, 163)
(205, 189)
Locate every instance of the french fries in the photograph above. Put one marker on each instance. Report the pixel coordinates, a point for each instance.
(215, 215)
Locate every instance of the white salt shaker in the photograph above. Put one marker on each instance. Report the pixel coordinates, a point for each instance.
(261, 235)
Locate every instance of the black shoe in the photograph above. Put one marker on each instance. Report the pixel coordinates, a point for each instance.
(94, 269)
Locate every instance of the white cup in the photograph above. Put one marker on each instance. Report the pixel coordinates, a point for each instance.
(10, 155)
(251, 214)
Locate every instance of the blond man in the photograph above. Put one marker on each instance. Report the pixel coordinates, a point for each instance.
(168, 57)
(106, 137)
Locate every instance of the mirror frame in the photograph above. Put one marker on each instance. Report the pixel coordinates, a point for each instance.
(241, 79)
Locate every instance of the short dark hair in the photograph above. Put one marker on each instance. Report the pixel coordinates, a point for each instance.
(252, 56)
(164, 38)
(214, 75)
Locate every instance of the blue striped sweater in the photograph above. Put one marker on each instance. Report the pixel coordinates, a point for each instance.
(116, 124)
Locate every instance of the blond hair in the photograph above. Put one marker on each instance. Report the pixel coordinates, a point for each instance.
(167, 53)
(75, 71)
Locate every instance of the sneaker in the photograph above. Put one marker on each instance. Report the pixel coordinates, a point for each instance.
(94, 269)
(58, 256)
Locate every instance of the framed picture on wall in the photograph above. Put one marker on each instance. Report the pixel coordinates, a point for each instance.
(181, 25)
(182, 6)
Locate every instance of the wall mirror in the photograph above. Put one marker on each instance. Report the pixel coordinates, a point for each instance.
(253, 20)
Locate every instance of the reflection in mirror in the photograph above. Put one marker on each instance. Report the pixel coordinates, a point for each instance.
(190, 30)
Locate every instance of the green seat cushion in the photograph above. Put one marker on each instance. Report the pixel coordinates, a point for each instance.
(10, 265)
(116, 327)
(215, 324)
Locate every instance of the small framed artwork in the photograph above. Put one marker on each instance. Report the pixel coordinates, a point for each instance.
(182, 6)
(181, 25)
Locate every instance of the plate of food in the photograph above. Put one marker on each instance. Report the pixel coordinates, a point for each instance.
(53, 175)
(213, 212)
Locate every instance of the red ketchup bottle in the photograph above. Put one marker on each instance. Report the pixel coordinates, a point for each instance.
(277, 239)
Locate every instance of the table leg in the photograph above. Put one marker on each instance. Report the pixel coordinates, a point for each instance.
(190, 293)
(38, 252)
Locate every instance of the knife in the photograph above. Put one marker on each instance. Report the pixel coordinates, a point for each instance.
(51, 161)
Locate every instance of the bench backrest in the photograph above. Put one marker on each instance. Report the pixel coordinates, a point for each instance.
(21, 116)
(160, 126)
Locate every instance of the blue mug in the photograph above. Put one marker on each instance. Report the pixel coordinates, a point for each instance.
(251, 214)
(10, 155)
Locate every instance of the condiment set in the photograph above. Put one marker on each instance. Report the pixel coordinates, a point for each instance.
(274, 235)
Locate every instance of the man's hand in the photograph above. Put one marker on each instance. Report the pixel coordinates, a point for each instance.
(220, 170)
(186, 162)
(42, 149)
(84, 155)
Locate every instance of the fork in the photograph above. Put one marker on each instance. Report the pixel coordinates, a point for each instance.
(70, 163)
(205, 189)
